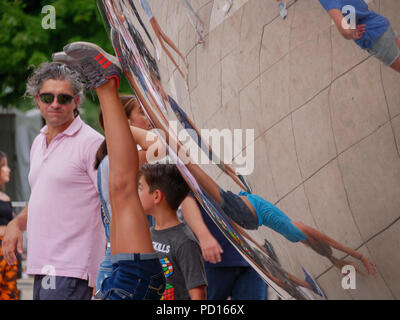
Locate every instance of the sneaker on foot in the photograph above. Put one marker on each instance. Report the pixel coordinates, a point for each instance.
(282, 9)
(96, 65)
(62, 57)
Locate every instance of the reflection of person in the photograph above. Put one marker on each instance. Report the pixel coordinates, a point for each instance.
(195, 20)
(8, 273)
(372, 31)
(161, 190)
(64, 232)
(228, 274)
(161, 36)
(136, 270)
(251, 211)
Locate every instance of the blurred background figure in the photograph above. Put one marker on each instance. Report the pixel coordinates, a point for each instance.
(8, 273)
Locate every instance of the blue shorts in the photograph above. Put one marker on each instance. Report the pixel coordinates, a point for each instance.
(105, 270)
(135, 276)
(385, 48)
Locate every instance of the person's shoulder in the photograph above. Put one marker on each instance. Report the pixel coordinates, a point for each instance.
(89, 132)
(39, 137)
(90, 136)
(4, 197)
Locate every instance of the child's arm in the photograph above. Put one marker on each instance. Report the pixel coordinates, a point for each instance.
(310, 232)
(210, 248)
(198, 293)
(143, 138)
(343, 26)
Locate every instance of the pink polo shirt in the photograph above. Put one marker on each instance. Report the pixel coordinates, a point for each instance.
(64, 231)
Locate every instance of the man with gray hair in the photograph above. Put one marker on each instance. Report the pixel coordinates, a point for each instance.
(64, 230)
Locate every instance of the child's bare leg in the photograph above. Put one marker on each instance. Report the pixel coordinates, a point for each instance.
(129, 228)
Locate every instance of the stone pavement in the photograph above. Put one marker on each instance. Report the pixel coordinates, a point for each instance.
(326, 117)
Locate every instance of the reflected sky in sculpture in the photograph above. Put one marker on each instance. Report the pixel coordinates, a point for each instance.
(142, 72)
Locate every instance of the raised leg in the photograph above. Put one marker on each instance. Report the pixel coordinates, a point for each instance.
(129, 227)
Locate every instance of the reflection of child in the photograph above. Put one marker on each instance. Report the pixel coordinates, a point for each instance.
(161, 36)
(251, 211)
(372, 31)
(161, 190)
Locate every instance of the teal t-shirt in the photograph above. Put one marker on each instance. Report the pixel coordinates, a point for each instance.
(376, 24)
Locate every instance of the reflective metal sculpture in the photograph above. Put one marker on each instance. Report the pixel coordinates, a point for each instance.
(128, 33)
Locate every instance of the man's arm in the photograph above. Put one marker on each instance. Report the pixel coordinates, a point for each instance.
(13, 236)
(210, 247)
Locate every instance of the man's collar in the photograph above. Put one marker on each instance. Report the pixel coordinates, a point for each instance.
(73, 128)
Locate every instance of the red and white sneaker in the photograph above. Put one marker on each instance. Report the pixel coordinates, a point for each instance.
(96, 65)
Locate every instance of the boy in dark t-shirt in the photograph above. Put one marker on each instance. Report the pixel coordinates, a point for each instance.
(161, 191)
(181, 260)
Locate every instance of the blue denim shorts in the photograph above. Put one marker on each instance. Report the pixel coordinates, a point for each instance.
(135, 276)
(385, 48)
(237, 210)
(105, 270)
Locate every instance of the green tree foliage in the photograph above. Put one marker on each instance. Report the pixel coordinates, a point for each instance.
(25, 44)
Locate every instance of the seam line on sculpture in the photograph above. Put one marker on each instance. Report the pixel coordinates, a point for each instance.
(388, 110)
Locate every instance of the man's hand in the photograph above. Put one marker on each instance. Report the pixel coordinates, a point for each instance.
(210, 249)
(12, 239)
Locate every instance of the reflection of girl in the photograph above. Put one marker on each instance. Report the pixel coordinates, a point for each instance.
(251, 211)
(161, 36)
(8, 274)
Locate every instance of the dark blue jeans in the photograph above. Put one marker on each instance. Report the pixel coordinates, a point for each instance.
(239, 283)
(237, 210)
(134, 277)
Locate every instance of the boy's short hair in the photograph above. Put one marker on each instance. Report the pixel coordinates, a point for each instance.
(167, 179)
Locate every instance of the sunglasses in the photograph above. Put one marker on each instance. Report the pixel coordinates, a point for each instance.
(61, 98)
